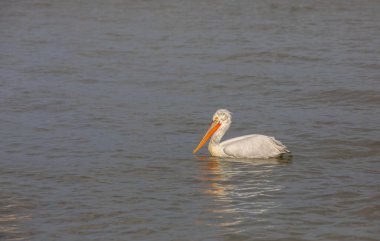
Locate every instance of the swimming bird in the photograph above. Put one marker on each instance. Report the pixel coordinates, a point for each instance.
(249, 146)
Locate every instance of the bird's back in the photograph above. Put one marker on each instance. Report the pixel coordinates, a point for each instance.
(253, 146)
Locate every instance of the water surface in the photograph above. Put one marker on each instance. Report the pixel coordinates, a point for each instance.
(102, 103)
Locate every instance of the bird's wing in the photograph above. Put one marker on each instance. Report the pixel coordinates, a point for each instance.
(253, 146)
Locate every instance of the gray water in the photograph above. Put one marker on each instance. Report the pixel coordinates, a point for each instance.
(102, 103)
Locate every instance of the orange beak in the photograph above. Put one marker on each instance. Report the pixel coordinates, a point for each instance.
(214, 127)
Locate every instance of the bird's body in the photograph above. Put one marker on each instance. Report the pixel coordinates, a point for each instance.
(248, 146)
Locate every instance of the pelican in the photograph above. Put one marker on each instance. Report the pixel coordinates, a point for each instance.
(249, 146)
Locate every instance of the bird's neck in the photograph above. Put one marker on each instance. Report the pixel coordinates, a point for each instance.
(217, 137)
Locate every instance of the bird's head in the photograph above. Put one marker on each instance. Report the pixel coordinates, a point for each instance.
(221, 118)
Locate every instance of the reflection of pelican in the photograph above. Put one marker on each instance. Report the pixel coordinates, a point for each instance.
(213, 172)
(249, 146)
(242, 188)
(217, 171)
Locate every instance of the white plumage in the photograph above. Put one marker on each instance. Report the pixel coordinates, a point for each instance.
(249, 146)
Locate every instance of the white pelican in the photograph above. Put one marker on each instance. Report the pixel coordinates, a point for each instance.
(249, 146)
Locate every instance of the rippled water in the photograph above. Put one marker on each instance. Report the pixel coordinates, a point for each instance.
(102, 103)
